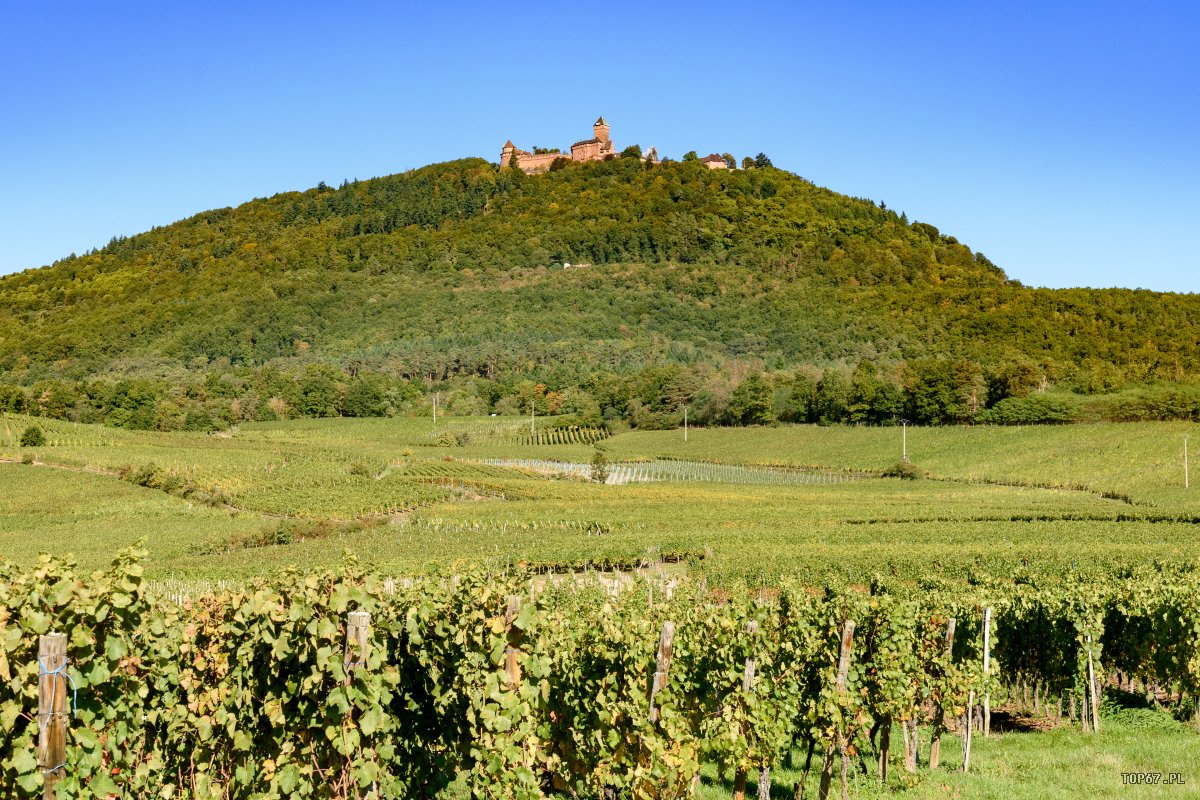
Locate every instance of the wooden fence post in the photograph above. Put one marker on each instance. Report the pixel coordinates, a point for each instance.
(1091, 674)
(843, 669)
(939, 717)
(663, 662)
(511, 665)
(52, 709)
(987, 656)
(358, 636)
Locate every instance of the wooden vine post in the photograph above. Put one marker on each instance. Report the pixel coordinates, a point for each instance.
(512, 665)
(843, 670)
(908, 729)
(52, 709)
(987, 656)
(1091, 695)
(987, 619)
(970, 719)
(939, 717)
(663, 666)
(739, 778)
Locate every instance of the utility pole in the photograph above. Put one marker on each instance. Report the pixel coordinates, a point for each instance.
(435, 399)
(904, 440)
(1185, 462)
(532, 416)
(685, 427)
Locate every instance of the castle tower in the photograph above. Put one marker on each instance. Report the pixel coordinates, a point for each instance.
(600, 130)
(506, 153)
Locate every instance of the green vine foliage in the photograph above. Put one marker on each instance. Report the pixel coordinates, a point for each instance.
(247, 693)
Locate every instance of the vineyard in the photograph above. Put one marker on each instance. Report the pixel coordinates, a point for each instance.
(757, 504)
(508, 685)
(531, 632)
(662, 470)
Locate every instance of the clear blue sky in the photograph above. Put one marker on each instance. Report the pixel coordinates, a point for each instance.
(1061, 139)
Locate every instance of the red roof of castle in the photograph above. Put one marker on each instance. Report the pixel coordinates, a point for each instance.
(509, 144)
(586, 141)
(713, 157)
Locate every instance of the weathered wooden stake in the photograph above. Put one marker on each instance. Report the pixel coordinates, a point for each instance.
(52, 709)
(663, 662)
(987, 656)
(1092, 688)
(910, 764)
(512, 666)
(885, 745)
(967, 736)
(843, 669)
(939, 716)
(909, 729)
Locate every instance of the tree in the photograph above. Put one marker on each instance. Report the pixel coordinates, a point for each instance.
(751, 402)
(33, 437)
(690, 155)
(633, 151)
(367, 396)
(320, 391)
(581, 405)
(747, 163)
(12, 399)
(865, 388)
(833, 398)
(599, 466)
(1014, 378)
(730, 160)
(761, 161)
(800, 403)
(941, 391)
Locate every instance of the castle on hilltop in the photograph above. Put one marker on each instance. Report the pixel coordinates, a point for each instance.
(598, 148)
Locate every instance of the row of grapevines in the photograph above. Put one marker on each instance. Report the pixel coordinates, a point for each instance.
(245, 693)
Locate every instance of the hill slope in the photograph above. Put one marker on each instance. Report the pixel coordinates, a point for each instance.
(456, 268)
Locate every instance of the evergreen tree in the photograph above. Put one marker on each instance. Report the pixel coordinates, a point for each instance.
(599, 466)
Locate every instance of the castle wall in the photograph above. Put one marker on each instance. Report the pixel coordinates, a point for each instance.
(538, 163)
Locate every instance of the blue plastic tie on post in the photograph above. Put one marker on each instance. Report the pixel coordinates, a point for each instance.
(45, 716)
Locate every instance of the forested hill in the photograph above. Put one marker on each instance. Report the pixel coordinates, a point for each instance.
(457, 269)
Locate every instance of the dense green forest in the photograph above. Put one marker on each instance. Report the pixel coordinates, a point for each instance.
(749, 295)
